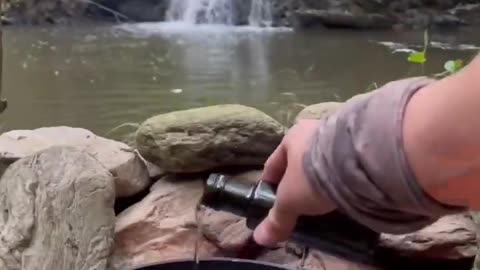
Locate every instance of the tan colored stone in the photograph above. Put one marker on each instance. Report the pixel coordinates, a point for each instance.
(56, 212)
(318, 111)
(451, 237)
(128, 169)
(225, 230)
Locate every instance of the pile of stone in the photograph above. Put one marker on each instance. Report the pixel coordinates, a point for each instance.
(70, 199)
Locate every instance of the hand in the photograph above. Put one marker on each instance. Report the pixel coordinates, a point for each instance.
(294, 196)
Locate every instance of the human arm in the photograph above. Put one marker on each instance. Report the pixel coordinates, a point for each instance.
(442, 137)
(376, 160)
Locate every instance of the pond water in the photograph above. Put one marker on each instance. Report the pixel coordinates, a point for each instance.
(99, 77)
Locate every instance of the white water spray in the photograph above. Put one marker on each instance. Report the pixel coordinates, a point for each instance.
(221, 12)
(260, 13)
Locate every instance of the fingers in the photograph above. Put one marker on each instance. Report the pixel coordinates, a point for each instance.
(276, 227)
(276, 165)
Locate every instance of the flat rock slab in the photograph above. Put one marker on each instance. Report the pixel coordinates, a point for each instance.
(451, 237)
(129, 170)
(201, 139)
(56, 212)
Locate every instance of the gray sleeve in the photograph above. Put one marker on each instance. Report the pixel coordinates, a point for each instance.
(356, 158)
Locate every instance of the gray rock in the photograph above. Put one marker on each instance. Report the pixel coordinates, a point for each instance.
(341, 19)
(448, 20)
(43, 12)
(468, 12)
(141, 10)
(205, 138)
(452, 237)
(375, 14)
(56, 212)
(129, 170)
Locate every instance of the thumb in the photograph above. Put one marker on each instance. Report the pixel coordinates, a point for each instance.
(276, 227)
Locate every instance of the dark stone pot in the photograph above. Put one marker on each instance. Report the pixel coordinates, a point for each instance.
(214, 264)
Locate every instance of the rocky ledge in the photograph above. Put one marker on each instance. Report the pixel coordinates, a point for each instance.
(304, 14)
(70, 199)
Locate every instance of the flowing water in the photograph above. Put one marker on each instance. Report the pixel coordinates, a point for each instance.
(98, 77)
(260, 13)
(218, 12)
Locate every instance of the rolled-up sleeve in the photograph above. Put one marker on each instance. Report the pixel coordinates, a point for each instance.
(357, 159)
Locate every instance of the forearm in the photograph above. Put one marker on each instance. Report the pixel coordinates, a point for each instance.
(404, 155)
(442, 137)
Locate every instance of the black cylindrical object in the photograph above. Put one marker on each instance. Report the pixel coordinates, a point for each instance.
(214, 264)
(334, 232)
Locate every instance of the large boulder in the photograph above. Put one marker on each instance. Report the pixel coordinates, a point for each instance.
(56, 212)
(129, 170)
(200, 139)
(452, 237)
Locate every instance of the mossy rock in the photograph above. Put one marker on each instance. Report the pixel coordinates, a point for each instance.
(201, 139)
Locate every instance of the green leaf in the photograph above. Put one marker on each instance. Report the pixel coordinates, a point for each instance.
(450, 66)
(417, 57)
(453, 66)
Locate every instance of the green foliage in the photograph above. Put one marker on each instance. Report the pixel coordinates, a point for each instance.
(420, 57)
(450, 67)
(453, 66)
(417, 57)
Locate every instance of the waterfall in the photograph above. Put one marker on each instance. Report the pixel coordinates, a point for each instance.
(224, 12)
(260, 13)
